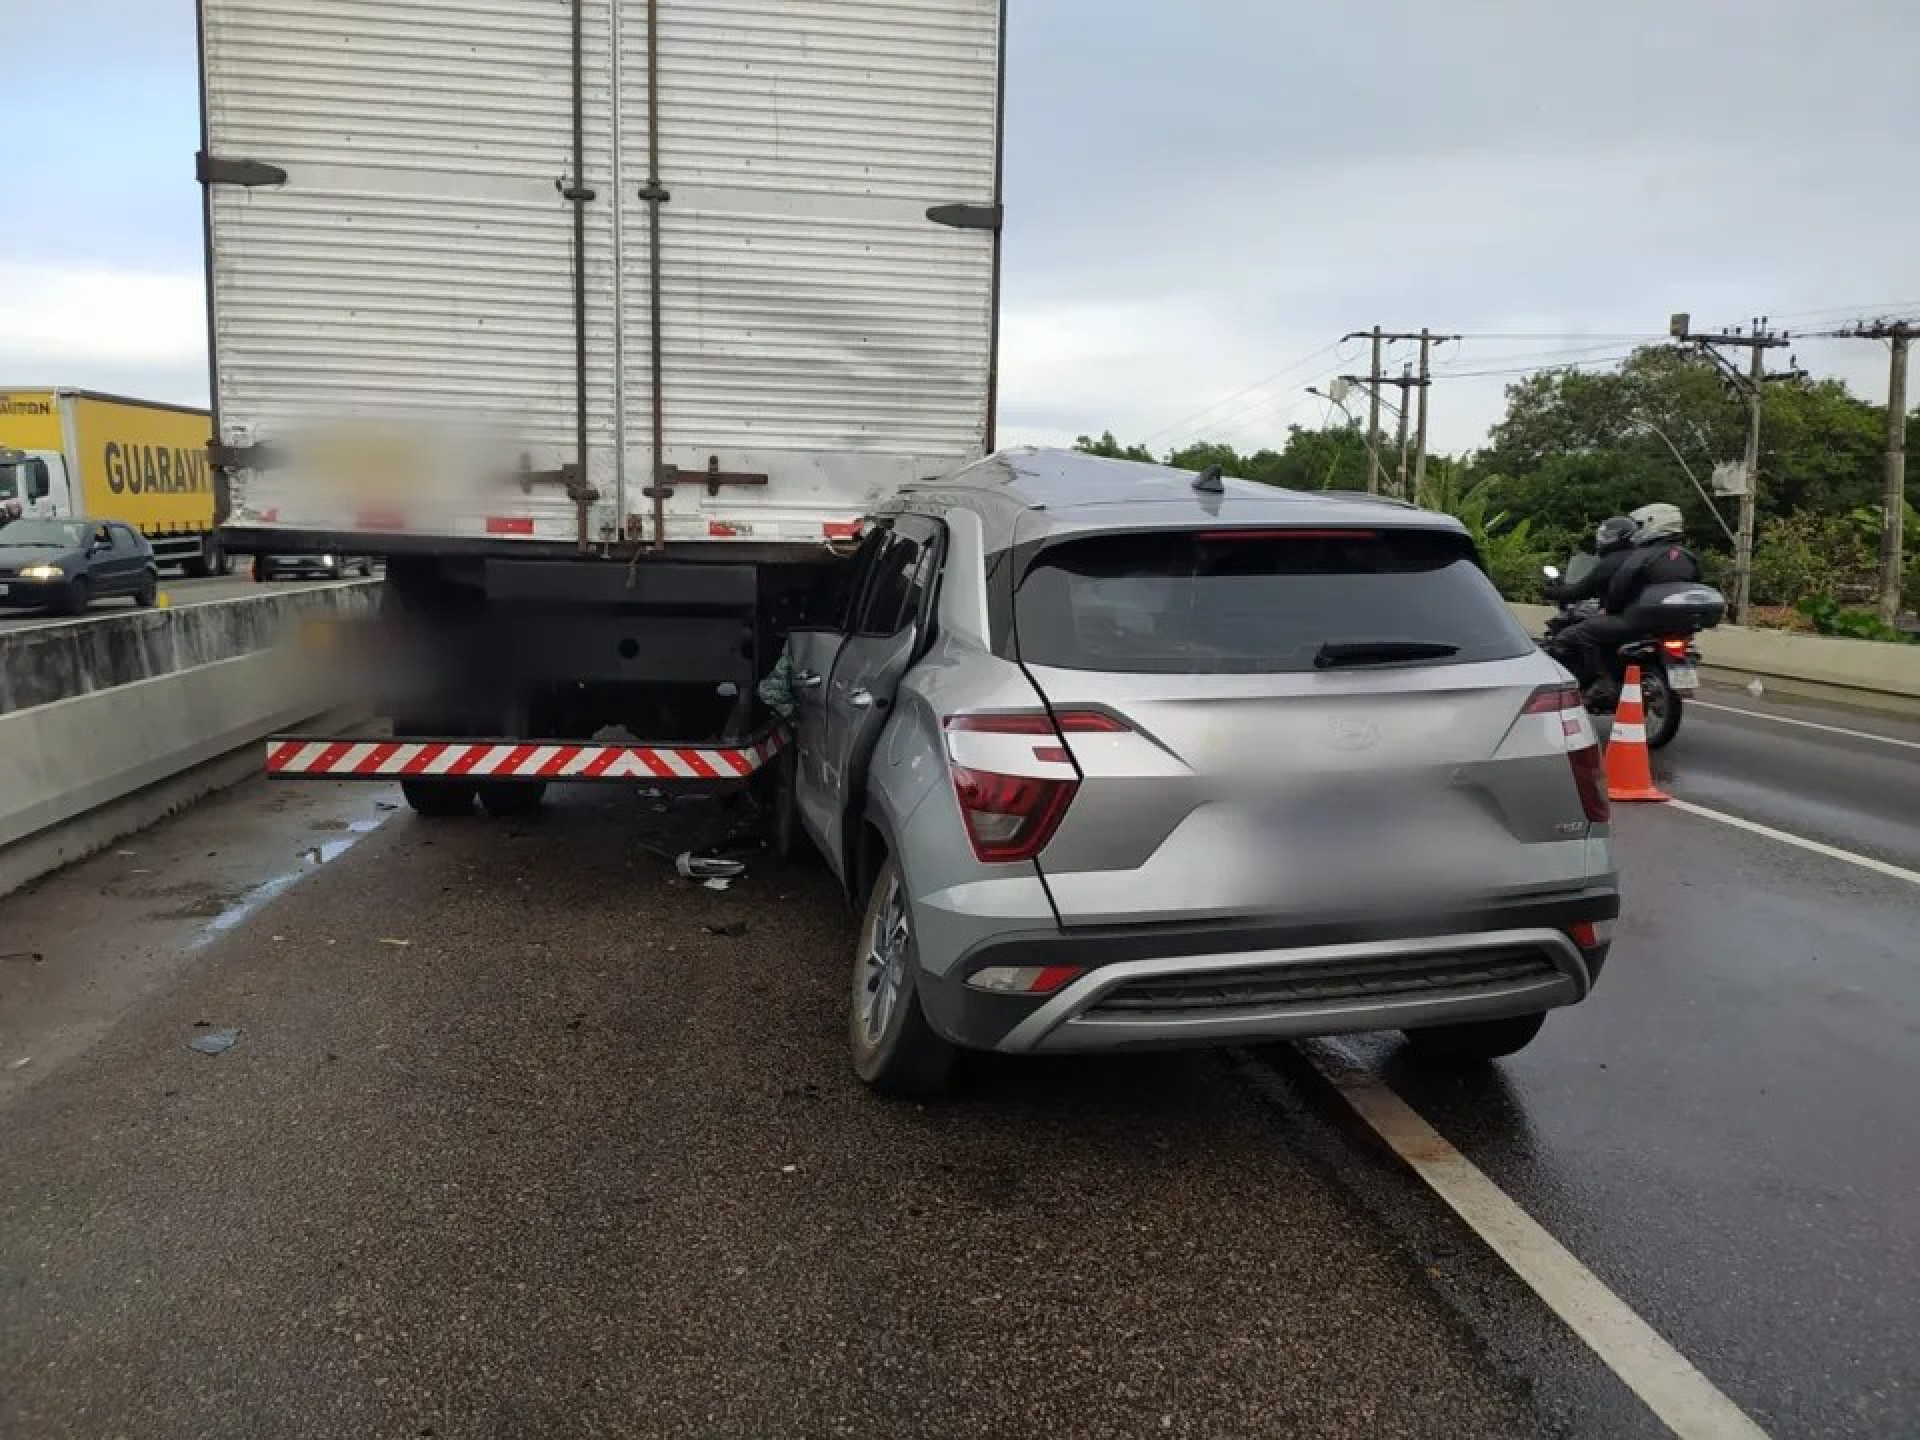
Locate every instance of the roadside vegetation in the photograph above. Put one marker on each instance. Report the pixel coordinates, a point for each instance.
(1575, 446)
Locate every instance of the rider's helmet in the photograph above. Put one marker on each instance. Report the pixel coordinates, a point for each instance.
(1613, 533)
(1658, 521)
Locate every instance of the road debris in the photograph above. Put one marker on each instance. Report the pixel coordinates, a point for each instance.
(715, 882)
(21, 1063)
(26, 957)
(214, 1042)
(733, 929)
(706, 867)
(394, 941)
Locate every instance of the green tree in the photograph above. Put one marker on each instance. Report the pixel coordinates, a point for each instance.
(1111, 448)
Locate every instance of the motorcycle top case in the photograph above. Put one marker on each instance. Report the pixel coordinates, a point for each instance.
(1677, 607)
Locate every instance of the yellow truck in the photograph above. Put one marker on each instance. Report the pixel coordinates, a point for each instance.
(104, 457)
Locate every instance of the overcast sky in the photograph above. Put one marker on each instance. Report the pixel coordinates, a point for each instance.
(1202, 198)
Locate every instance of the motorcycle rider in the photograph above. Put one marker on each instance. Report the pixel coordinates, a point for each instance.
(1650, 553)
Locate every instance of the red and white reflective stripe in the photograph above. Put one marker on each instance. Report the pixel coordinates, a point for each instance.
(519, 760)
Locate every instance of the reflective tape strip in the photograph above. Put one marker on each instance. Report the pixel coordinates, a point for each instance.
(1630, 732)
(479, 759)
(1630, 694)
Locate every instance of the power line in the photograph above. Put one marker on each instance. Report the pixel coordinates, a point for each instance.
(1526, 358)
(1535, 368)
(1186, 421)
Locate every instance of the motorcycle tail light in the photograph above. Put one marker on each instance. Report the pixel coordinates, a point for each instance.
(1676, 648)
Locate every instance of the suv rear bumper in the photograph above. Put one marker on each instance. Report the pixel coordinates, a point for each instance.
(1178, 986)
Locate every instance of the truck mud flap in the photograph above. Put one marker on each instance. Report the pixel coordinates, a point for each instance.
(318, 757)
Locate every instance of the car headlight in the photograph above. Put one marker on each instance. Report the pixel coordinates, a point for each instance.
(326, 560)
(42, 572)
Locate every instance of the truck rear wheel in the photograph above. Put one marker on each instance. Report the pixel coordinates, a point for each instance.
(438, 799)
(512, 799)
(212, 560)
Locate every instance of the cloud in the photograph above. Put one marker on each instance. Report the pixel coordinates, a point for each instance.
(142, 332)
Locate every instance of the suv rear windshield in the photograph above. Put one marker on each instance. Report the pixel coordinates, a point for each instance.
(1257, 601)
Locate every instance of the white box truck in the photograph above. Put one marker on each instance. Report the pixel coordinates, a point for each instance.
(603, 322)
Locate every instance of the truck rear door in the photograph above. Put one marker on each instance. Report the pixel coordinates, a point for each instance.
(787, 235)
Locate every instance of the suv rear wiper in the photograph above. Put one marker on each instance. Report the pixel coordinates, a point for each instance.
(1335, 653)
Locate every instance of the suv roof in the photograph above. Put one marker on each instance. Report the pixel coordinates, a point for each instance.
(1051, 492)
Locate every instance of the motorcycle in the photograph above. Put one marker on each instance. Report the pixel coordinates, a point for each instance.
(1669, 617)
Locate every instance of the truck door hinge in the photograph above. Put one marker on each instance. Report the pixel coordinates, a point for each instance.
(216, 170)
(713, 477)
(968, 217)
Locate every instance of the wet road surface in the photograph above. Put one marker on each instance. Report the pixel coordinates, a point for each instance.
(567, 1162)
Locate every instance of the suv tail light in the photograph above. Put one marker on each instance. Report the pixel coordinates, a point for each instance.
(1588, 777)
(1591, 782)
(1014, 776)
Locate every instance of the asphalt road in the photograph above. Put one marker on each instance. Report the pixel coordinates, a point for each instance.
(513, 1143)
(179, 591)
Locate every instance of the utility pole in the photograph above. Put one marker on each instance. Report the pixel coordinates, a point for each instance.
(1751, 386)
(1404, 382)
(1427, 342)
(1373, 380)
(1407, 380)
(1893, 500)
(1373, 417)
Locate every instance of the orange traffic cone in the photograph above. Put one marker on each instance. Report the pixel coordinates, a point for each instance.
(1629, 770)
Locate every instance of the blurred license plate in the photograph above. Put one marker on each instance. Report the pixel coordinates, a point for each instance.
(3, 589)
(1338, 813)
(1683, 676)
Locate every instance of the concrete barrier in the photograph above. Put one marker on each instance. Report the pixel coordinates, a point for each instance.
(57, 662)
(1867, 674)
(79, 772)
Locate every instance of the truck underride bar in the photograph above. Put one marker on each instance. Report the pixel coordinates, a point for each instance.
(318, 757)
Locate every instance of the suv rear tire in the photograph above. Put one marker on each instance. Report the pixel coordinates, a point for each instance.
(1474, 1040)
(895, 1050)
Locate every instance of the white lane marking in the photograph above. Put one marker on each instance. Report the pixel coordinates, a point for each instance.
(1832, 852)
(1807, 724)
(1669, 1384)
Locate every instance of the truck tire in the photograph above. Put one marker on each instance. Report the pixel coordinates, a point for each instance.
(512, 799)
(438, 799)
(894, 1049)
(212, 560)
(1473, 1041)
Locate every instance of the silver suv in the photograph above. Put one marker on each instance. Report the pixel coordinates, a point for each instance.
(1121, 756)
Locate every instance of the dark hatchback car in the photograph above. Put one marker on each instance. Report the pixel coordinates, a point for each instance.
(66, 565)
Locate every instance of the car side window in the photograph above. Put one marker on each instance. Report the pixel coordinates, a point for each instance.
(124, 539)
(835, 599)
(102, 537)
(902, 579)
